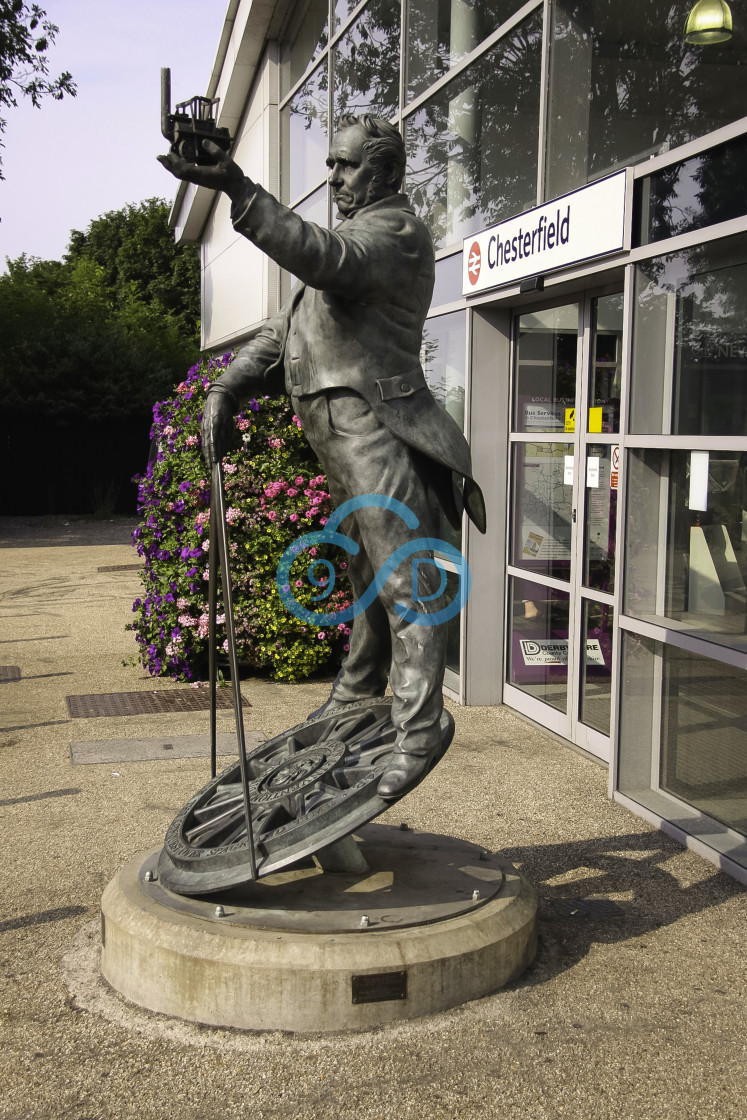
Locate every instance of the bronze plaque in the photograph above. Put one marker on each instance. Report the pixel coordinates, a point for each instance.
(376, 987)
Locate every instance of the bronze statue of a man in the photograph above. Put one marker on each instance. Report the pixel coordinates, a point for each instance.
(346, 348)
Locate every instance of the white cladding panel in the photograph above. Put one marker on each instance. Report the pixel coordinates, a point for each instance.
(239, 284)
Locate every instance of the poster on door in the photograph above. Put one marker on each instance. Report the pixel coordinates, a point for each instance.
(545, 505)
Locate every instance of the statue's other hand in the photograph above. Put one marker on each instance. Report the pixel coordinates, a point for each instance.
(217, 427)
(223, 175)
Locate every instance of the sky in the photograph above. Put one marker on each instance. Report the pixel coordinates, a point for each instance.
(72, 160)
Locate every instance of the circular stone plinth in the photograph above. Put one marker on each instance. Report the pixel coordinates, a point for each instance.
(306, 950)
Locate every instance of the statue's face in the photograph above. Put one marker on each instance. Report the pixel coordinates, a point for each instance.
(351, 175)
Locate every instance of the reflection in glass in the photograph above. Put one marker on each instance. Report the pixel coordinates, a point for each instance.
(545, 374)
(689, 368)
(453, 642)
(624, 85)
(542, 508)
(443, 360)
(692, 713)
(686, 550)
(448, 285)
(699, 192)
(441, 32)
(366, 63)
(537, 653)
(312, 209)
(306, 38)
(606, 363)
(596, 665)
(472, 148)
(600, 516)
(303, 125)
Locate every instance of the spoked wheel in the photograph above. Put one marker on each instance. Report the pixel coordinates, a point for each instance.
(308, 788)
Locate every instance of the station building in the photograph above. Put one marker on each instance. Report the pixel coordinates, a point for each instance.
(582, 167)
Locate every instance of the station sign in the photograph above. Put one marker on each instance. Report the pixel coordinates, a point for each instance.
(584, 224)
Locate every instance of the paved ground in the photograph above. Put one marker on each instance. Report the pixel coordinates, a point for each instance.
(635, 1016)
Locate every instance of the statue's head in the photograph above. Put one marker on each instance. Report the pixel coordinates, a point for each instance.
(366, 162)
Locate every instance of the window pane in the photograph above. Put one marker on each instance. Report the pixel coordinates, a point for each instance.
(596, 666)
(686, 550)
(441, 32)
(542, 508)
(366, 63)
(304, 143)
(448, 285)
(545, 372)
(472, 149)
(308, 36)
(606, 364)
(683, 730)
(453, 630)
(689, 374)
(600, 517)
(625, 85)
(538, 642)
(312, 209)
(699, 192)
(443, 359)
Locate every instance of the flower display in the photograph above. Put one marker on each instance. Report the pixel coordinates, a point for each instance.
(274, 493)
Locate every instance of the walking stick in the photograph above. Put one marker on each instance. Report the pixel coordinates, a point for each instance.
(219, 544)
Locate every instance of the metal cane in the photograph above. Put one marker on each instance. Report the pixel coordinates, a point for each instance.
(219, 549)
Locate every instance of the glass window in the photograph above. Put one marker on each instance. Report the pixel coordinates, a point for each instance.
(448, 285)
(307, 37)
(686, 550)
(542, 508)
(453, 626)
(689, 374)
(366, 62)
(600, 516)
(545, 373)
(625, 85)
(303, 124)
(699, 192)
(538, 642)
(606, 364)
(596, 665)
(683, 732)
(312, 209)
(472, 148)
(443, 358)
(441, 32)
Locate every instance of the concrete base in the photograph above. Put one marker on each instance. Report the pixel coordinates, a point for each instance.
(444, 924)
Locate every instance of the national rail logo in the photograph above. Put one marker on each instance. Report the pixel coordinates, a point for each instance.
(473, 263)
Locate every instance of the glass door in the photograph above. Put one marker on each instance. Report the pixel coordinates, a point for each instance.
(563, 501)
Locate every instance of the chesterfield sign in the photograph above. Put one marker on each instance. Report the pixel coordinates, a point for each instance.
(589, 222)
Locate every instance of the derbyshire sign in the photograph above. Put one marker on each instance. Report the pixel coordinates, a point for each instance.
(589, 222)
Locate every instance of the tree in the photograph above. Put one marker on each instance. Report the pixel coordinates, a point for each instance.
(25, 36)
(140, 261)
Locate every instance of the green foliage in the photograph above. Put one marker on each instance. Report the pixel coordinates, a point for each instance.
(274, 493)
(25, 37)
(91, 337)
(140, 261)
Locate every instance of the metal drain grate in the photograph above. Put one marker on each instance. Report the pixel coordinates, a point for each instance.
(10, 673)
(145, 703)
(587, 907)
(120, 568)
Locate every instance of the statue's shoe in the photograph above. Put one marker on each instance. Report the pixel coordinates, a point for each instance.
(403, 773)
(330, 706)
